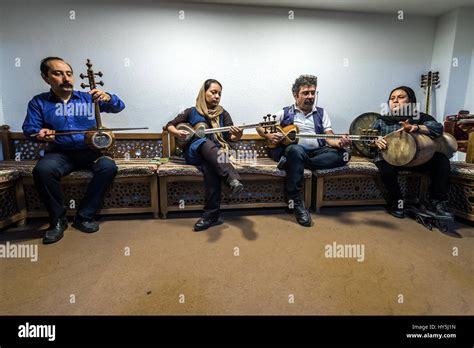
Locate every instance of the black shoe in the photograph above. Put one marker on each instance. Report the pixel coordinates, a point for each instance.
(302, 215)
(439, 209)
(398, 213)
(282, 163)
(393, 207)
(85, 225)
(236, 187)
(203, 224)
(55, 231)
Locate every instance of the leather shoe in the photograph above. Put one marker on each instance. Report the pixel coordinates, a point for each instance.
(55, 231)
(302, 215)
(85, 225)
(439, 209)
(236, 187)
(396, 212)
(203, 224)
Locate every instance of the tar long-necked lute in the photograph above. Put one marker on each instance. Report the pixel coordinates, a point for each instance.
(201, 129)
(291, 136)
(99, 137)
(403, 149)
(429, 81)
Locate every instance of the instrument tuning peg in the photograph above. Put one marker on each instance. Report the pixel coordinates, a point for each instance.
(265, 118)
(82, 76)
(83, 85)
(89, 64)
(101, 83)
(99, 74)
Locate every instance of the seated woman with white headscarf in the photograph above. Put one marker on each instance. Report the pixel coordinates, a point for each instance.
(205, 151)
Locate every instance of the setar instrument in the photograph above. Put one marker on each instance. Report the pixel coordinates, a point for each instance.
(291, 136)
(201, 129)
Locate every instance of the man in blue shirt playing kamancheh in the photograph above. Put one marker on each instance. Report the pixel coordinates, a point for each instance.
(64, 109)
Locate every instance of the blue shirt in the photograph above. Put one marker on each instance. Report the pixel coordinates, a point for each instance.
(46, 110)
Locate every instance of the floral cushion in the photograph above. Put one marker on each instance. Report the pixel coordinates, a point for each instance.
(462, 170)
(361, 165)
(8, 175)
(263, 166)
(132, 168)
(352, 167)
(357, 165)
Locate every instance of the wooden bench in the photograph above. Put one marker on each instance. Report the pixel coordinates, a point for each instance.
(182, 187)
(461, 191)
(359, 183)
(12, 207)
(135, 189)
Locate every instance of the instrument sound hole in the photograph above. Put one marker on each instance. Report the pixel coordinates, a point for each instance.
(101, 140)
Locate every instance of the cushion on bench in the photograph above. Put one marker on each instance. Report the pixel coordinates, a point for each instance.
(462, 170)
(8, 175)
(353, 167)
(360, 165)
(126, 169)
(263, 166)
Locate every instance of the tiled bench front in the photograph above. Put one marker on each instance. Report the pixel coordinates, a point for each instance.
(358, 183)
(182, 187)
(12, 207)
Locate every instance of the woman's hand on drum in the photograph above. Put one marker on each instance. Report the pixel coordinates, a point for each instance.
(381, 144)
(409, 128)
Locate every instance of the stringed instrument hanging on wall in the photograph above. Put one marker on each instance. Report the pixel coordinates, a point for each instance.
(429, 81)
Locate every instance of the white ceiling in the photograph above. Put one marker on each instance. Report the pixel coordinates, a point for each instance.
(432, 8)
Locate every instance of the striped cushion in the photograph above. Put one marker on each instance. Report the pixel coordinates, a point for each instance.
(462, 170)
(263, 166)
(8, 175)
(126, 169)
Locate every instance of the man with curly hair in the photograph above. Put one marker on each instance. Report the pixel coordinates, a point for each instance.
(308, 153)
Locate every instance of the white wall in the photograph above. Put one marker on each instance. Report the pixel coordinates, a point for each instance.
(468, 42)
(453, 57)
(463, 48)
(2, 118)
(469, 102)
(255, 52)
(442, 60)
